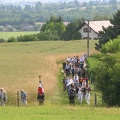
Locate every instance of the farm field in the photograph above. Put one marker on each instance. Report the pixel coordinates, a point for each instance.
(22, 62)
(20, 65)
(6, 35)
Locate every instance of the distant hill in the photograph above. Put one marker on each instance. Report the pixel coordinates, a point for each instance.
(33, 2)
(43, 1)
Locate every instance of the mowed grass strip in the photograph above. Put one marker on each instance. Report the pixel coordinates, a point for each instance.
(22, 62)
(53, 112)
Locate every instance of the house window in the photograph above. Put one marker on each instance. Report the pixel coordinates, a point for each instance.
(85, 30)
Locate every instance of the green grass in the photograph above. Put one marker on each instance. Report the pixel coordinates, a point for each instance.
(22, 62)
(20, 65)
(6, 35)
(47, 47)
(53, 112)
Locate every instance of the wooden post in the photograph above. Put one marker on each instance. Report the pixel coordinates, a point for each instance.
(102, 100)
(95, 99)
(18, 100)
(88, 30)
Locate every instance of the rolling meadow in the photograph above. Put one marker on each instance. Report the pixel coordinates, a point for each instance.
(20, 65)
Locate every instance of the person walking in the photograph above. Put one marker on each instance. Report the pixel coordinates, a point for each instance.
(3, 97)
(80, 94)
(72, 94)
(23, 97)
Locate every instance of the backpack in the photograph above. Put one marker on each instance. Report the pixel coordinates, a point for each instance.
(71, 92)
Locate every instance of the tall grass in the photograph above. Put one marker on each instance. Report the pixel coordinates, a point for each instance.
(22, 62)
(20, 65)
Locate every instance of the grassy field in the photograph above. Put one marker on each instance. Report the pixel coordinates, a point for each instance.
(20, 65)
(59, 113)
(53, 112)
(6, 35)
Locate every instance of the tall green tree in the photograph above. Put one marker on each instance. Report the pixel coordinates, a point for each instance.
(71, 32)
(55, 27)
(107, 79)
(113, 46)
(107, 73)
(109, 33)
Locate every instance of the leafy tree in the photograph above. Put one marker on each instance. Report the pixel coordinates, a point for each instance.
(107, 79)
(71, 32)
(111, 32)
(48, 35)
(53, 26)
(107, 73)
(38, 6)
(112, 46)
(41, 12)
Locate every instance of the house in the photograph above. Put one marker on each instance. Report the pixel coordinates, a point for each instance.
(94, 28)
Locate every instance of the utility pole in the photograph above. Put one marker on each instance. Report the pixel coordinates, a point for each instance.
(88, 39)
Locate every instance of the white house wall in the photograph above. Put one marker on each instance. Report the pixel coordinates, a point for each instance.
(92, 34)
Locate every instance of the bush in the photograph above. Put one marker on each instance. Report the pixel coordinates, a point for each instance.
(27, 38)
(112, 46)
(107, 79)
(92, 63)
(11, 39)
(48, 35)
(2, 40)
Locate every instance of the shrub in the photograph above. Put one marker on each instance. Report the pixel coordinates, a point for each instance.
(112, 46)
(2, 40)
(107, 79)
(11, 39)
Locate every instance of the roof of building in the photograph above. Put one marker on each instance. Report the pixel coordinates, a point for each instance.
(96, 25)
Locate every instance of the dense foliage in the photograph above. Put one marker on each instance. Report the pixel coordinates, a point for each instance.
(111, 32)
(53, 29)
(111, 46)
(106, 74)
(71, 32)
(107, 79)
(18, 16)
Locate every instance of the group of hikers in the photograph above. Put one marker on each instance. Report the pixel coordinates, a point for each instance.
(75, 81)
(23, 95)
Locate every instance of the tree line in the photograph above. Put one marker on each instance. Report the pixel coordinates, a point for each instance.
(55, 29)
(106, 74)
(41, 12)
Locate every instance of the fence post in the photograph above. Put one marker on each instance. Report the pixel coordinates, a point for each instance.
(18, 100)
(95, 99)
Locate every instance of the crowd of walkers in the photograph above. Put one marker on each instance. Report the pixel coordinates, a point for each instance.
(75, 81)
